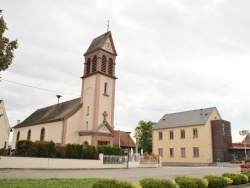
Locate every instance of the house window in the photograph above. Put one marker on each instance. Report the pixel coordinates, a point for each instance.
(183, 134)
(42, 135)
(160, 135)
(110, 67)
(160, 151)
(18, 135)
(183, 152)
(88, 66)
(85, 143)
(103, 68)
(5, 145)
(196, 152)
(94, 63)
(171, 135)
(87, 125)
(171, 152)
(29, 135)
(195, 133)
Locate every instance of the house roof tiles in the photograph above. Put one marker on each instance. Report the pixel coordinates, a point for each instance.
(187, 118)
(52, 113)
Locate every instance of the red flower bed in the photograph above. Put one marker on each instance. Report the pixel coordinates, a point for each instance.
(247, 165)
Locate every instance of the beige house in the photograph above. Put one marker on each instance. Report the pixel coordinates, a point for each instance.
(192, 137)
(88, 119)
(4, 127)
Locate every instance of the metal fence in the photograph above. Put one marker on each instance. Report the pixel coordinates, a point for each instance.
(113, 159)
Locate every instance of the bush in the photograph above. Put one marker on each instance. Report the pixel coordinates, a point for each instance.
(247, 161)
(44, 149)
(216, 181)
(229, 180)
(188, 182)
(107, 183)
(237, 178)
(156, 183)
(247, 174)
(24, 147)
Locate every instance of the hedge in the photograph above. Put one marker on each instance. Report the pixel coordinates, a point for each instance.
(107, 183)
(73, 151)
(156, 183)
(191, 182)
(216, 181)
(237, 178)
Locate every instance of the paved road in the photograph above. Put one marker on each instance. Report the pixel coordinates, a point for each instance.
(132, 175)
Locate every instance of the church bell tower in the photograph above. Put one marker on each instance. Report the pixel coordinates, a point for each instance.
(98, 92)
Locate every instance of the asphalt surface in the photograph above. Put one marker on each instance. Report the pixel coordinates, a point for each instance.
(132, 175)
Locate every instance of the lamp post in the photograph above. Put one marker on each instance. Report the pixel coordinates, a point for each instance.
(128, 147)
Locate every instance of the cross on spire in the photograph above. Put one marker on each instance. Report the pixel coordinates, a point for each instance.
(108, 25)
(105, 114)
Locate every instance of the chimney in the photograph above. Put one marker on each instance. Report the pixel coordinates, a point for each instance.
(18, 121)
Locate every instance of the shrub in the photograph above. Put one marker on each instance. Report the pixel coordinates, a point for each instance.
(107, 183)
(188, 182)
(4, 152)
(216, 181)
(247, 161)
(24, 147)
(74, 151)
(44, 149)
(247, 174)
(236, 161)
(237, 178)
(229, 180)
(156, 183)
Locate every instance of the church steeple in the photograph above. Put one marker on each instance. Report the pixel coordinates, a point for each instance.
(100, 56)
(98, 83)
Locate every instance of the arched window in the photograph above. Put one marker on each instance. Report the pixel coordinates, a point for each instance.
(18, 136)
(5, 145)
(88, 66)
(85, 143)
(29, 135)
(110, 69)
(103, 69)
(87, 125)
(94, 64)
(42, 135)
(105, 88)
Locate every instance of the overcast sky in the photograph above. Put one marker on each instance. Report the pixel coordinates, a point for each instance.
(172, 56)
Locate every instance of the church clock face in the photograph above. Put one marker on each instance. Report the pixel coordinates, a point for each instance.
(107, 46)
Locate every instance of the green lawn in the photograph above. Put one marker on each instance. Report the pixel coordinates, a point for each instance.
(51, 183)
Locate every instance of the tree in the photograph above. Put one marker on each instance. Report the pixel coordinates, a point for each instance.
(7, 47)
(144, 132)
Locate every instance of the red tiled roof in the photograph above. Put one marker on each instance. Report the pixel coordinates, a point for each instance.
(240, 146)
(123, 139)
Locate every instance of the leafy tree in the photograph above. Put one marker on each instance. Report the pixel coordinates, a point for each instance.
(144, 132)
(7, 47)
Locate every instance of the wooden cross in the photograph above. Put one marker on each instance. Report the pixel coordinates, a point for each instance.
(105, 114)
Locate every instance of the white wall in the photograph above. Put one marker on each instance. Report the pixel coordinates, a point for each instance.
(52, 163)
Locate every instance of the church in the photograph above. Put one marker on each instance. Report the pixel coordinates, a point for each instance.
(85, 120)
